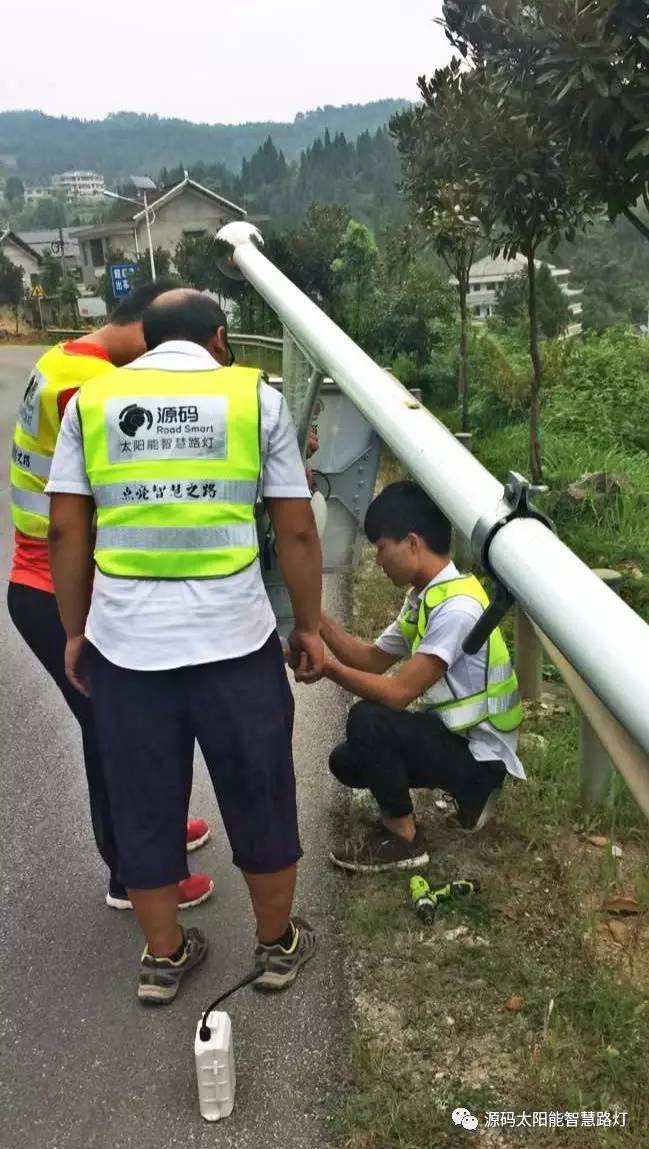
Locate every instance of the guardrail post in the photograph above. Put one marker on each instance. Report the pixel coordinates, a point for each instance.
(595, 765)
(528, 657)
(462, 545)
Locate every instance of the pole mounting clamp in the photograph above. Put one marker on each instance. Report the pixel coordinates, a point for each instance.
(515, 504)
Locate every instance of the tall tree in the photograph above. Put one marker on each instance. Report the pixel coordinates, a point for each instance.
(437, 144)
(552, 303)
(588, 63)
(50, 273)
(412, 308)
(11, 285)
(14, 191)
(354, 267)
(142, 273)
(535, 199)
(48, 213)
(195, 258)
(307, 253)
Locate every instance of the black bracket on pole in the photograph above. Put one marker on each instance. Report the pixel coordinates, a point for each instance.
(515, 504)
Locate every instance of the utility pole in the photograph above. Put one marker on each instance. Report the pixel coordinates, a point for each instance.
(62, 253)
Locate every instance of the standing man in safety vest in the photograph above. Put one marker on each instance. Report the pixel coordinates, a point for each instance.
(445, 719)
(171, 629)
(56, 377)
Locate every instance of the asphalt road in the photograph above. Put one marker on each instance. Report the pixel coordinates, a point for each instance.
(82, 1065)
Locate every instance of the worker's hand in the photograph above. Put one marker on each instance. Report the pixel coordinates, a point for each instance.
(311, 479)
(330, 667)
(75, 664)
(312, 445)
(306, 657)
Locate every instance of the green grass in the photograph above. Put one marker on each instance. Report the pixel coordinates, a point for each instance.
(603, 532)
(432, 1031)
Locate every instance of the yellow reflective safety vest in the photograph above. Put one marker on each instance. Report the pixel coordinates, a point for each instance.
(174, 462)
(37, 429)
(499, 703)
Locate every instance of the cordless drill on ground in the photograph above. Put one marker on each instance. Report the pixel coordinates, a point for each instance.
(426, 898)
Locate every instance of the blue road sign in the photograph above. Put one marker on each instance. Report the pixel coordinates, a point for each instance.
(120, 274)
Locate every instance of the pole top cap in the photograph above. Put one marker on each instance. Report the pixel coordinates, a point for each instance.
(240, 232)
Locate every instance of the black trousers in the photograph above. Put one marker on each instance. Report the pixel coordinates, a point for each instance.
(391, 752)
(240, 711)
(35, 615)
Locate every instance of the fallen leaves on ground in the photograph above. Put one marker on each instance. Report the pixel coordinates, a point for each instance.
(515, 1004)
(621, 905)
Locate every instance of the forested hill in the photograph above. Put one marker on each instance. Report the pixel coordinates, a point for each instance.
(126, 142)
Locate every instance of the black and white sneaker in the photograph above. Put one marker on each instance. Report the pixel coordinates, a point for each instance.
(474, 814)
(382, 851)
(161, 977)
(279, 967)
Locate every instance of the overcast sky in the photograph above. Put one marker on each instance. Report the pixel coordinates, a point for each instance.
(205, 60)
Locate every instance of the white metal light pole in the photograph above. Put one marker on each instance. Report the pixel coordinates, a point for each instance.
(600, 635)
(143, 184)
(148, 236)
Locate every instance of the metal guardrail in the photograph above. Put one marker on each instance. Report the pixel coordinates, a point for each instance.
(265, 351)
(594, 637)
(240, 338)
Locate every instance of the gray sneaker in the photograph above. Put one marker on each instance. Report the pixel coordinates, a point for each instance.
(161, 977)
(279, 967)
(381, 852)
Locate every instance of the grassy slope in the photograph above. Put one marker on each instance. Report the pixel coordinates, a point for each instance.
(432, 1030)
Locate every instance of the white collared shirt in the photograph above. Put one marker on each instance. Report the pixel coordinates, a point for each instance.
(151, 624)
(448, 626)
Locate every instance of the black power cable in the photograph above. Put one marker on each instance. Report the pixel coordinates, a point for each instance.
(205, 1032)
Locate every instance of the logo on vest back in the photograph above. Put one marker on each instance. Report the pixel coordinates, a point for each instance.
(160, 428)
(132, 418)
(29, 414)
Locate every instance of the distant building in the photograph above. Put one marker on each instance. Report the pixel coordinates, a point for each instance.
(48, 240)
(37, 192)
(79, 185)
(487, 275)
(22, 256)
(186, 209)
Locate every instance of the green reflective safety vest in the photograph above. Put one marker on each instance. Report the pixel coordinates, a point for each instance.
(174, 462)
(39, 422)
(499, 703)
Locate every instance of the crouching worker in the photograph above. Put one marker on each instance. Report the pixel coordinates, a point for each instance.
(444, 719)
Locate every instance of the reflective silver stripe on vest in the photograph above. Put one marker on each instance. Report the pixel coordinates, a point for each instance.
(31, 501)
(464, 714)
(500, 705)
(499, 674)
(31, 461)
(183, 491)
(176, 538)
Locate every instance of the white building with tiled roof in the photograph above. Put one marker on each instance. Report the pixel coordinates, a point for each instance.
(488, 274)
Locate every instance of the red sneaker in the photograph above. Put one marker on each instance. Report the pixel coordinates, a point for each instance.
(198, 833)
(192, 891)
